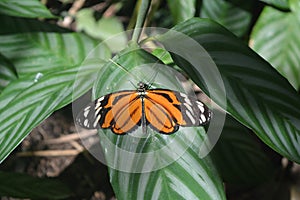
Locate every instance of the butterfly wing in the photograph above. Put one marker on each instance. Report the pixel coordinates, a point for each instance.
(194, 112)
(159, 117)
(120, 111)
(166, 110)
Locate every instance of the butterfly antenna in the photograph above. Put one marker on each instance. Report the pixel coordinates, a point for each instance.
(132, 84)
(151, 80)
(124, 69)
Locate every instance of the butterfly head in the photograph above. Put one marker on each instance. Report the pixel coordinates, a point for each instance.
(142, 86)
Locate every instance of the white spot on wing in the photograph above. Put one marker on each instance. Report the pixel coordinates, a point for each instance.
(201, 108)
(188, 101)
(86, 122)
(98, 104)
(190, 116)
(98, 110)
(203, 118)
(200, 103)
(188, 107)
(97, 120)
(101, 98)
(183, 95)
(87, 108)
(86, 112)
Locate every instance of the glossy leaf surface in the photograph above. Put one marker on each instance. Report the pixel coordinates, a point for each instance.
(257, 95)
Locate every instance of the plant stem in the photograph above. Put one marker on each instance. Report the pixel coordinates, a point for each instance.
(141, 16)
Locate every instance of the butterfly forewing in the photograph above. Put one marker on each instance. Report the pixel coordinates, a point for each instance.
(92, 114)
(194, 112)
(128, 116)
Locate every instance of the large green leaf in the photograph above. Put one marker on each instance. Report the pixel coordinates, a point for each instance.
(280, 46)
(41, 52)
(151, 165)
(32, 103)
(19, 185)
(28, 8)
(257, 95)
(232, 17)
(182, 10)
(40, 91)
(7, 72)
(240, 158)
(189, 177)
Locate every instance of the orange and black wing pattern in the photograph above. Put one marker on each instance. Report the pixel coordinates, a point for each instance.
(162, 110)
(166, 110)
(119, 111)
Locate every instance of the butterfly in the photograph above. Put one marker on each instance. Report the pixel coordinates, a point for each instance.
(162, 110)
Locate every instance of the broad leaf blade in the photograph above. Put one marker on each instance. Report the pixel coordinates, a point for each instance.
(33, 53)
(189, 177)
(182, 10)
(240, 158)
(153, 166)
(29, 100)
(257, 95)
(36, 102)
(19, 185)
(28, 8)
(277, 45)
(7, 72)
(232, 17)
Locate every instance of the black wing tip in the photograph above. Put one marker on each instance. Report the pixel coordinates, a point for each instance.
(87, 121)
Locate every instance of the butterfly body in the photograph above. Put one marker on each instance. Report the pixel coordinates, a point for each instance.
(162, 110)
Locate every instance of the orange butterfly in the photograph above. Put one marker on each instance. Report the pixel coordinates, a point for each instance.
(161, 109)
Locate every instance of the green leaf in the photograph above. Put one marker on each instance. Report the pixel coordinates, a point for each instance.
(151, 165)
(19, 185)
(181, 10)
(28, 8)
(12, 25)
(280, 46)
(163, 55)
(7, 72)
(257, 95)
(283, 4)
(33, 53)
(25, 109)
(29, 100)
(240, 158)
(232, 17)
(105, 28)
(189, 177)
(294, 6)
